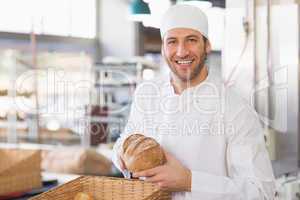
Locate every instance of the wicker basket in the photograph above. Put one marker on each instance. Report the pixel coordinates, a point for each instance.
(106, 188)
(20, 170)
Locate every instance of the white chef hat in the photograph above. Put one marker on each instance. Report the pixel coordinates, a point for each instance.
(184, 16)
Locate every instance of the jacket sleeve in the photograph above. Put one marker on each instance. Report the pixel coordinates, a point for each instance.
(250, 175)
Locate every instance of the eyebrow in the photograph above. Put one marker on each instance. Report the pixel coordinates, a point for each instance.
(171, 38)
(188, 36)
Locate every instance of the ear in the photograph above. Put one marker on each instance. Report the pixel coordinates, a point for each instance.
(207, 47)
(162, 50)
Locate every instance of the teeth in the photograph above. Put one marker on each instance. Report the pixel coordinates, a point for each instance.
(184, 61)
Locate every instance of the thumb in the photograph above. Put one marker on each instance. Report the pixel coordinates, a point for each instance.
(169, 156)
(171, 159)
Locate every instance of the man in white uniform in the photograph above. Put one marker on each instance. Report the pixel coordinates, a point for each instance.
(213, 140)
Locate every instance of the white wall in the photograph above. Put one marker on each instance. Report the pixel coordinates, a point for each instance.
(117, 33)
(239, 70)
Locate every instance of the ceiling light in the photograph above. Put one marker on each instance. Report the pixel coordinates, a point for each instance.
(139, 10)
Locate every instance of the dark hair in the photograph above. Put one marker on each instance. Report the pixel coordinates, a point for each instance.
(204, 39)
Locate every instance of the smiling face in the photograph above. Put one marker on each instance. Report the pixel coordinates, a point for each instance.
(185, 51)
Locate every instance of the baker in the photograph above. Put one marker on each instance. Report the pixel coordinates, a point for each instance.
(213, 140)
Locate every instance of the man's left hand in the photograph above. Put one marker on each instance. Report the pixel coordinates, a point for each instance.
(172, 176)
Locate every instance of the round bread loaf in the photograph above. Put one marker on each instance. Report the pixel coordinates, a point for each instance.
(82, 196)
(141, 153)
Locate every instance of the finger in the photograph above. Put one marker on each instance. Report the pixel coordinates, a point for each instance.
(154, 179)
(147, 173)
(168, 155)
(162, 185)
(170, 158)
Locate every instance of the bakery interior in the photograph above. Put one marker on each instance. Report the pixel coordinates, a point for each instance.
(69, 69)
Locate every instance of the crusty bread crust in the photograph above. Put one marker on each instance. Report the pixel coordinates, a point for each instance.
(141, 153)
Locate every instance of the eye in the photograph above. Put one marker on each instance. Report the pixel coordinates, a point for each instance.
(170, 42)
(193, 40)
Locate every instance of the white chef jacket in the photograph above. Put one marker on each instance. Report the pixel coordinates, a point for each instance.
(211, 131)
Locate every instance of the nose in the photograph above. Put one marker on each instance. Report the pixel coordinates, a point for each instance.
(182, 51)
